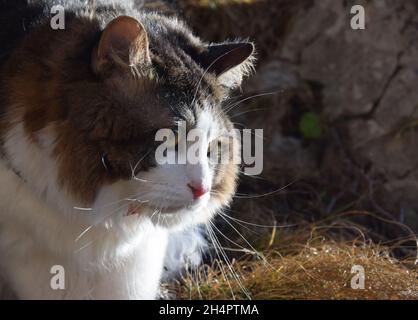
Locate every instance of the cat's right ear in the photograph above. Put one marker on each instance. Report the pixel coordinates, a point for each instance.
(229, 61)
(123, 45)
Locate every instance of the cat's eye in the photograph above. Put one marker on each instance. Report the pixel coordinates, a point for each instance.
(106, 163)
(174, 142)
(214, 146)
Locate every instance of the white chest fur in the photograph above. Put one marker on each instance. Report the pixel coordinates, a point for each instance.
(103, 265)
(40, 229)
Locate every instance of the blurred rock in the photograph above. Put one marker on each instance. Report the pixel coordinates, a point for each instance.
(362, 84)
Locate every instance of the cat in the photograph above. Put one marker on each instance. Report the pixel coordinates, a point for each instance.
(79, 109)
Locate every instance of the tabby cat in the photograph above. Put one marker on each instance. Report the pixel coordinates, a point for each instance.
(81, 192)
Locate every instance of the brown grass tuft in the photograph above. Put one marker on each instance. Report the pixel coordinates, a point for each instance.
(320, 269)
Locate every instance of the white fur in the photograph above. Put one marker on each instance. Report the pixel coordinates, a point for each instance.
(105, 254)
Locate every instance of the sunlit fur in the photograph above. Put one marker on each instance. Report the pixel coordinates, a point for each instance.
(78, 156)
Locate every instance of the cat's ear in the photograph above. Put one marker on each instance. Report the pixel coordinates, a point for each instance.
(229, 61)
(123, 44)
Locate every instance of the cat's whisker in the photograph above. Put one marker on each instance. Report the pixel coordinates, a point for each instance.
(233, 242)
(221, 267)
(98, 209)
(248, 111)
(158, 217)
(164, 219)
(244, 226)
(238, 124)
(153, 214)
(138, 163)
(137, 200)
(152, 182)
(105, 205)
(228, 109)
(247, 242)
(85, 231)
(252, 176)
(90, 227)
(83, 247)
(257, 225)
(254, 196)
(139, 179)
(117, 210)
(83, 209)
(229, 264)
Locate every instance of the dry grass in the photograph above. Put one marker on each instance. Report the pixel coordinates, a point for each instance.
(317, 269)
(311, 261)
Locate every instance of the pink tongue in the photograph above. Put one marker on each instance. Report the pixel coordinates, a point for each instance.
(133, 209)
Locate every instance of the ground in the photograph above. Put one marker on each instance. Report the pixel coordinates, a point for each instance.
(339, 109)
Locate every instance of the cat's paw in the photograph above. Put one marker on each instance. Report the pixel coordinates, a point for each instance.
(185, 249)
(165, 294)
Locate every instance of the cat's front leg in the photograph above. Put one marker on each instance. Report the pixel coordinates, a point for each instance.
(138, 276)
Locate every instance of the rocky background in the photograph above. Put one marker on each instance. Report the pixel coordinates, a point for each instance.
(339, 107)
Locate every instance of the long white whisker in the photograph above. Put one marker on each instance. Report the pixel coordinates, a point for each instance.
(233, 242)
(244, 196)
(220, 261)
(107, 204)
(258, 225)
(247, 111)
(244, 226)
(138, 162)
(229, 264)
(103, 219)
(83, 233)
(247, 242)
(230, 107)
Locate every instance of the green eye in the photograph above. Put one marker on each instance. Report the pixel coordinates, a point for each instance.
(211, 148)
(173, 143)
(106, 163)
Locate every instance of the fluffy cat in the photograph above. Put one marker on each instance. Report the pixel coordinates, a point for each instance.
(80, 186)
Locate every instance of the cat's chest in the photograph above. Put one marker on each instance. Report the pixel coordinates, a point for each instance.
(23, 214)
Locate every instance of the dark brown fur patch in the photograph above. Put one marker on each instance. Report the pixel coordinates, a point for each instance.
(48, 82)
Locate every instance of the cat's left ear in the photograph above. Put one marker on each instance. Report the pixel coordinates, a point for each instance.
(229, 61)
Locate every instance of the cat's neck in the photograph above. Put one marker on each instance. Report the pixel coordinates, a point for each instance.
(58, 232)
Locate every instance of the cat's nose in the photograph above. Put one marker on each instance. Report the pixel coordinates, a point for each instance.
(198, 190)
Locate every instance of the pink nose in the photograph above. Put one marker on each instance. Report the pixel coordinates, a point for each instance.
(197, 190)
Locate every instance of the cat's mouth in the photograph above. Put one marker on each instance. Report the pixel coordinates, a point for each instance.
(139, 208)
(133, 209)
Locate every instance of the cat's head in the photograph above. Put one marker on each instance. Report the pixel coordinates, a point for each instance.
(92, 133)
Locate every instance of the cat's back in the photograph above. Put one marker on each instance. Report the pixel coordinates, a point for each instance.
(16, 19)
